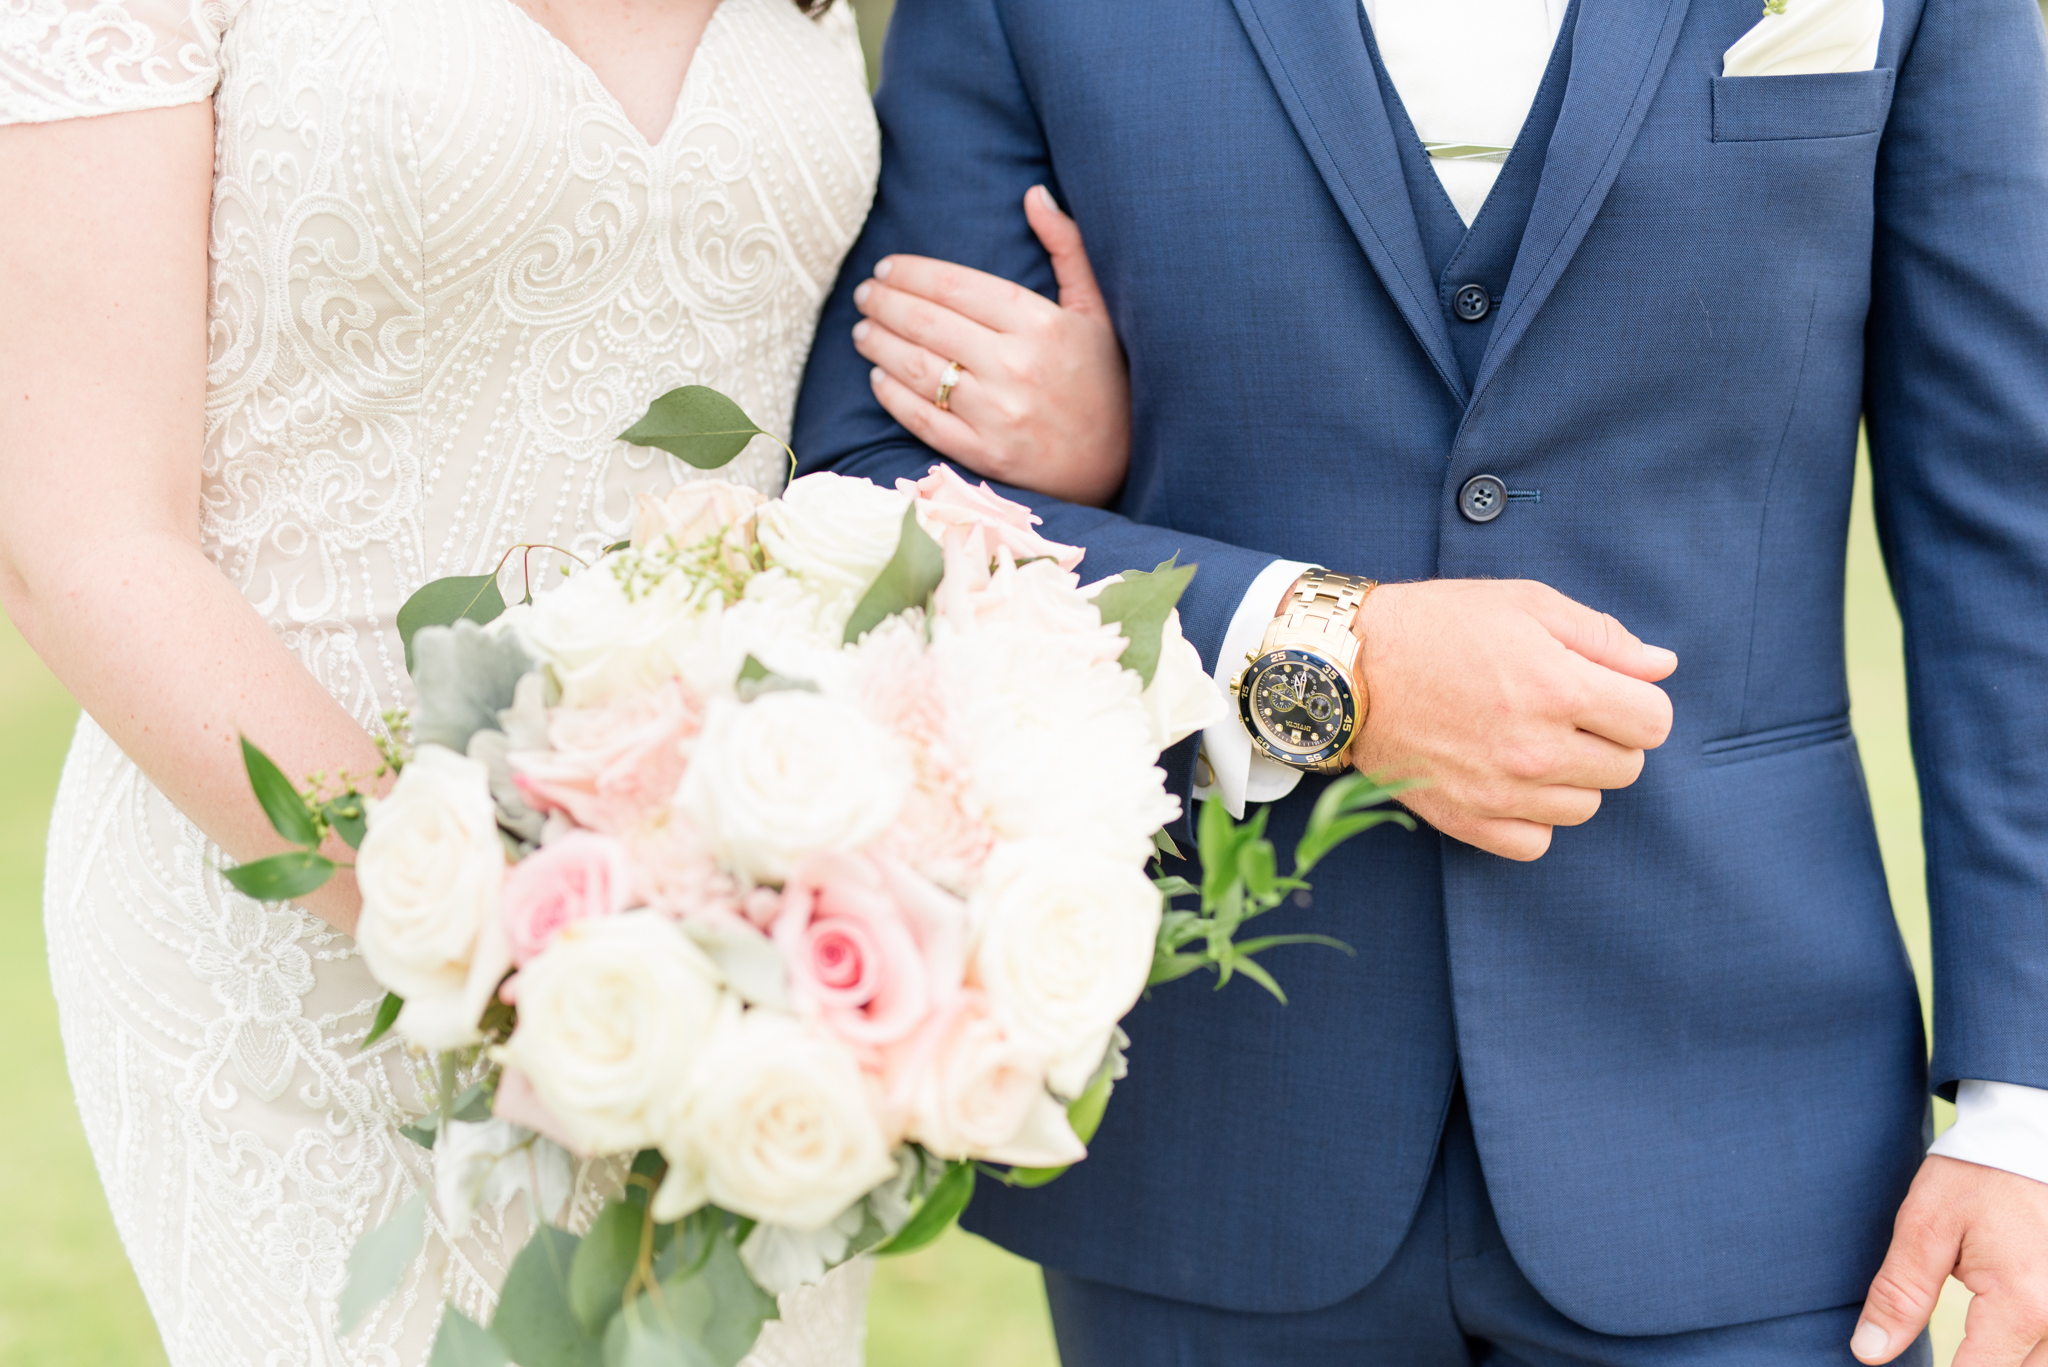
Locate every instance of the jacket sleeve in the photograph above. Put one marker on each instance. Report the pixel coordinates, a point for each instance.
(1956, 400)
(961, 143)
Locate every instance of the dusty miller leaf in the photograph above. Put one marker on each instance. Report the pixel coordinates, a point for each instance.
(465, 677)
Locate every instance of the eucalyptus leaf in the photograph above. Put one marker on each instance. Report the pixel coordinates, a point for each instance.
(1139, 603)
(603, 1263)
(699, 425)
(534, 1319)
(289, 815)
(942, 1206)
(465, 676)
(661, 1330)
(472, 1105)
(425, 1133)
(462, 1342)
(444, 602)
(387, 1016)
(1163, 842)
(906, 582)
(281, 877)
(741, 1307)
(378, 1262)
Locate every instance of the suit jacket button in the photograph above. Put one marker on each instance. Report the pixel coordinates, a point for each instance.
(1482, 498)
(1471, 303)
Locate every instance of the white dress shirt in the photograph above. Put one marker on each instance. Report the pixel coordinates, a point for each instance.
(1467, 72)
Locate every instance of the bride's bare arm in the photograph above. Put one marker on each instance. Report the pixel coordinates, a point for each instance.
(103, 282)
(1043, 399)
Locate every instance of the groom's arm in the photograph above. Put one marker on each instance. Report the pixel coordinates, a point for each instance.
(961, 144)
(1957, 404)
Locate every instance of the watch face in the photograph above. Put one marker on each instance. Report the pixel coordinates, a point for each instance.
(1299, 707)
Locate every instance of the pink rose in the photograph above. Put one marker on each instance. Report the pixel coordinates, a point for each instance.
(963, 1087)
(615, 766)
(694, 513)
(579, 877)
(872, 948)
(950, 508)
(1038, 598)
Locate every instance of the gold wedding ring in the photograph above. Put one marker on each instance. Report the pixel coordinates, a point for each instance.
(950, 378)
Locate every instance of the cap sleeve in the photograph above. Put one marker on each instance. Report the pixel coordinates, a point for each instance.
(66, 59)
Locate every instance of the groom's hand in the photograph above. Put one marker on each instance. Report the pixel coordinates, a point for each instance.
(1517, 705)
(1990, 1230)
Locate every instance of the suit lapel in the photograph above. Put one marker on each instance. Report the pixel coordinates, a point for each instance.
(1314, 52)
(1619, 53)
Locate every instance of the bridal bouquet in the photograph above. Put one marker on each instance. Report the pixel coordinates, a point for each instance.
(794, 854)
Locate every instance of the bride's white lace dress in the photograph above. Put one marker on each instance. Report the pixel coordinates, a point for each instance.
(447, 270)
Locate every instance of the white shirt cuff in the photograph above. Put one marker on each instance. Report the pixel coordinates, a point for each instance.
(1228, 764)
(2000, 1125)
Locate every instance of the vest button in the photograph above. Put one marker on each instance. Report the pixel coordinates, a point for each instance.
(1471, 303)
(1482, 498)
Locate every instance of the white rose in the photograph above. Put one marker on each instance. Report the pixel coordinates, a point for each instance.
(1182, 697)
(791, 630)
(789, 775)
(982, 1095)
(1054, 746)
(833, 531)
(1063, 947)
(625, 626)
(612, 1019)
(779, 1127)
(430, 869)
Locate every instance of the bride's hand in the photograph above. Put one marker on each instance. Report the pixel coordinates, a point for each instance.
(1043, 400)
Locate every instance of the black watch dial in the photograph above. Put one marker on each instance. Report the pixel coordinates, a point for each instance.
(1299, 708)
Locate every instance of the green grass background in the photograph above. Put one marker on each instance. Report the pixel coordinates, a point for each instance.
(68, 1299)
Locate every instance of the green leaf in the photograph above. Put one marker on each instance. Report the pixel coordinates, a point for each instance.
(444, 602)
(1256, 974)
(753, 671)
(378, 1262)
(349, 818)
(462, 1342)
(700, 425)
(282, 877)
(616, 547)
(1259, 868)
(1139, 604)
(603, 1262)
(423, 1132)
(1219, 837)
(1247, 948)
(1168, 968)
(387, 1016)
(289, 815)
(534, 1319)
(942, 1206)
(1174, 886)
(472, 1105)
(905, 582)
(1339, 814)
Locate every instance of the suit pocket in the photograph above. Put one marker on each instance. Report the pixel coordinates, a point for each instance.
(1776, 741)
(1837, 104)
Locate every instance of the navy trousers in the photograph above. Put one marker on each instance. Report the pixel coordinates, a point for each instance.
(1452, 1297)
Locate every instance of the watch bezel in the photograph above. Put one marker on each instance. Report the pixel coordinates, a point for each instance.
(1337, 674)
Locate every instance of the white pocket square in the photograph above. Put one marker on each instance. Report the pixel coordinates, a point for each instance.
(1805, 37)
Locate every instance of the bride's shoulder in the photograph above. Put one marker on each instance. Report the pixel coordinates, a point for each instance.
(64, 59)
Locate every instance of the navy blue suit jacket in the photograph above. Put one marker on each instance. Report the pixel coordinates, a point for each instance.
(1689, 1034)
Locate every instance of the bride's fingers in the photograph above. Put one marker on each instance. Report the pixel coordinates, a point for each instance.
(931, 326)
(1061, 238)
(916, 369)
(995, 303)
(945, 433)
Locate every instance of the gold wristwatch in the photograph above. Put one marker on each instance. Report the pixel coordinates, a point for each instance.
(1298, 697)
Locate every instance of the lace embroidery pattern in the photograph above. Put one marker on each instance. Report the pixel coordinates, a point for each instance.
(446, 271)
